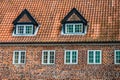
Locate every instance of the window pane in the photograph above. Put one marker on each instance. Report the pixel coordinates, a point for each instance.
(16, 60)
(22, 57)
(78, 28)
(91, 57)
(29, 29)
(69, 28)
(74, 57)
(51, 57)
(117, 56)
(20, 30)
(68, 57)
(45, 57)
(97, 57)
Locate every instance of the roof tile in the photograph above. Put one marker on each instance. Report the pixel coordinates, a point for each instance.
(103, 18)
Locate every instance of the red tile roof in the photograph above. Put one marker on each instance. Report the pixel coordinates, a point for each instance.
(103, 18)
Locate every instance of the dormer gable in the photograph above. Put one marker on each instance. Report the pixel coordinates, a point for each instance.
(25, 17)
(74, 23)
(74, 16)
(25, 24)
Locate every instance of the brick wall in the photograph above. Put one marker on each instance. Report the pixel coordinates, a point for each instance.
(34, 70)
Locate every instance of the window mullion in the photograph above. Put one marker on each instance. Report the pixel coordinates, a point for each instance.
(19, 57)
(24, 29)
(77, 57)
(48, 57)
(71, 57)
(74, 28)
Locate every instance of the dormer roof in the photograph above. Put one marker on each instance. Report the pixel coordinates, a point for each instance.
(101, 16)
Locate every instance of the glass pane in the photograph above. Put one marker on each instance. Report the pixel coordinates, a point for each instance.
(22, 57)
(29, 29)
(16, 60)
(79, 28)
(51, 57)
(45, 57)
(69, 28)
(91, 57)
(117, 61)
(68, 57)
(97, 57)
(74, 57)
(97, 60)
(20, 29)
(117, 56)
(117, 53)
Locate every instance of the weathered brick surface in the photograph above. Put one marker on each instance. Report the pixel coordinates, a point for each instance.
(34, 70)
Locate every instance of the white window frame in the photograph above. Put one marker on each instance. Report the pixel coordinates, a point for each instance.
(24, 31)
(115, 57)
(73, 28)
(48, 63)
(94, 57)
(19, 59)
(71, 57)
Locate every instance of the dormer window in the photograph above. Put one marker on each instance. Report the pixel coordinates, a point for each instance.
(76, 28)
(25, 25)
(74, 23)
(24, 29)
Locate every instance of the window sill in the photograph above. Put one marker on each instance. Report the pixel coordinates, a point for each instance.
(94, 63)
(70, 63)
(73, 34)
(19, 65)
(47, 64)
(23, 35)
(117, 63)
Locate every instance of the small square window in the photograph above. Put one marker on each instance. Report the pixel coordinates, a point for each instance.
(94, 57)
(69, 28)
(117, 56)
(48, 57)
(29, 29)
(78, 28)
(19, 57)
(71, 57)
(20, 30)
